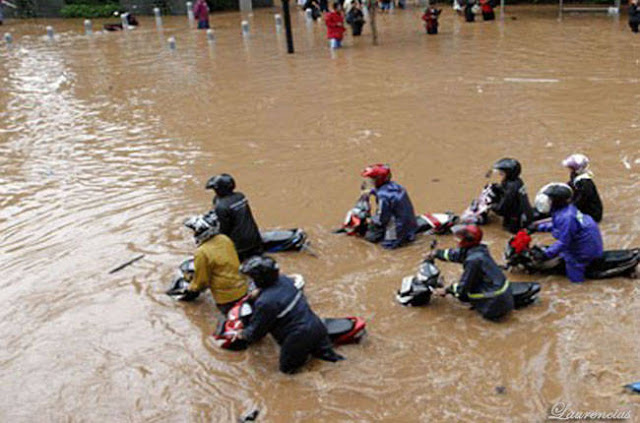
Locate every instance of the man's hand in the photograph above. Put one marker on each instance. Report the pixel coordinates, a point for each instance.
(254, 294)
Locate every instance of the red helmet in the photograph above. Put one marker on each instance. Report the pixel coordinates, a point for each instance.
(468, 235)
(380, 173)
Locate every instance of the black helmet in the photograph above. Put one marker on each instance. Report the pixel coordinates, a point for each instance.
(511, 167)
(263, 270)
(553, 196)
(222, 184)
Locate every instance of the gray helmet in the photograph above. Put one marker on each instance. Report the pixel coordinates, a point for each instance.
(204, 227)
(263, 270)
(223, 184)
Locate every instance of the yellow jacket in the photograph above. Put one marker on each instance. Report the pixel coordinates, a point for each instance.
(217, 268)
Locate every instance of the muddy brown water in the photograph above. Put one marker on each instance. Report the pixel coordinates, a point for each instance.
(106, 143)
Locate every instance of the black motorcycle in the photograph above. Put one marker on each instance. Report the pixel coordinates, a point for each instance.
(519, 255)
(417, 290)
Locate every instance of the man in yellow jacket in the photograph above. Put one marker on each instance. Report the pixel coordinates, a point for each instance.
(216, 264)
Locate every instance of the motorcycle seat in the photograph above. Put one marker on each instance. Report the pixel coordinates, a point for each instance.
(521, 288)
(338, 326)
(277, 236)
(616, 256)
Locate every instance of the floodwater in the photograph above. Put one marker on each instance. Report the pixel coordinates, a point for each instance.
(107, 141)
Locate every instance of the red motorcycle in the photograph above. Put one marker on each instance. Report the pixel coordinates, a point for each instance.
(347, 330)
(356, 222)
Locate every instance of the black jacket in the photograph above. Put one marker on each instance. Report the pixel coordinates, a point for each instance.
(236, 221)
(482, 283)
(585, 196)
(273, 301)
(513, 205)
(634, 13)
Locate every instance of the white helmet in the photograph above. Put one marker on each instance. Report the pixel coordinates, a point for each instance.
(204, 227)
(576, 162)
(553, 195)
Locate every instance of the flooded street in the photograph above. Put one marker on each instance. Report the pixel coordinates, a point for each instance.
(106, 143)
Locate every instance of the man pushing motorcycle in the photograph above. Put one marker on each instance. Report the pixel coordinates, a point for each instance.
(579, 241)
(394, 223)
(482, 282)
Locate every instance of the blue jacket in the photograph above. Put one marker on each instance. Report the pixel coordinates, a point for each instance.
(578, 236)
(282, 310)
(395, 214)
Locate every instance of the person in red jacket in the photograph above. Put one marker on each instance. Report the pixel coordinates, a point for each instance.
(430, 19)
(335, 26)
(487, 10)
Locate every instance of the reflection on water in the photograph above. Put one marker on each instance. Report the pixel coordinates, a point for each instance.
(106, 142)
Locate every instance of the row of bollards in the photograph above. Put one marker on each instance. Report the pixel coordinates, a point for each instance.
(88, 27)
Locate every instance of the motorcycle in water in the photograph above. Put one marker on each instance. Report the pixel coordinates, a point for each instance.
(614, 263)
(341, 331)
(416, 290)
(478, 211)
(277, 240)
(356, 222)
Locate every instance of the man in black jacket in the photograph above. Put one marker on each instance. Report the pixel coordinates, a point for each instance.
(511, 200)
(634, 15)
(585, 193)
(234, 214)
(482, 283)
(282, 310)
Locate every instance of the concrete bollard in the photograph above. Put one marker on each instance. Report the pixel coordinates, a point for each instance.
(156, 13)
(50, 33)
(245, 28)
(172, 43)
(190, 13)
(211, 37)
(278, 23)
(88, 28)
(8, 38)
(124, 21)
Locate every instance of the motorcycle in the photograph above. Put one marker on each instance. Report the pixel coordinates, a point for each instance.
(356, 222)
(417, 290)
(519, 255)
(347, 330)
(341, 331)
(478, 211)
(277, 240)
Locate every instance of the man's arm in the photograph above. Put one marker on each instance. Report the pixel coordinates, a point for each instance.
(264, 316)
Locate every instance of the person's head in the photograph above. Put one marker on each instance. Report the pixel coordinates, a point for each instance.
(509, 169)
(576, 163)
(263, 270)
(223, 184)
(467, 235)
(378, 173)
(335, 6)
(553, 196)
(204, 227)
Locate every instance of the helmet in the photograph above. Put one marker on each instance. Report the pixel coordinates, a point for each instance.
(380, 173)
(576, 162)
(263, 270)
(511, 167)
(222, 184)
(204, 227)
(553, 196)
(468, 235)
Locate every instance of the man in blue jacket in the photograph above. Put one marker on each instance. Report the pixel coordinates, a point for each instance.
(395, 221)
(282, 310)
(578, 237)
